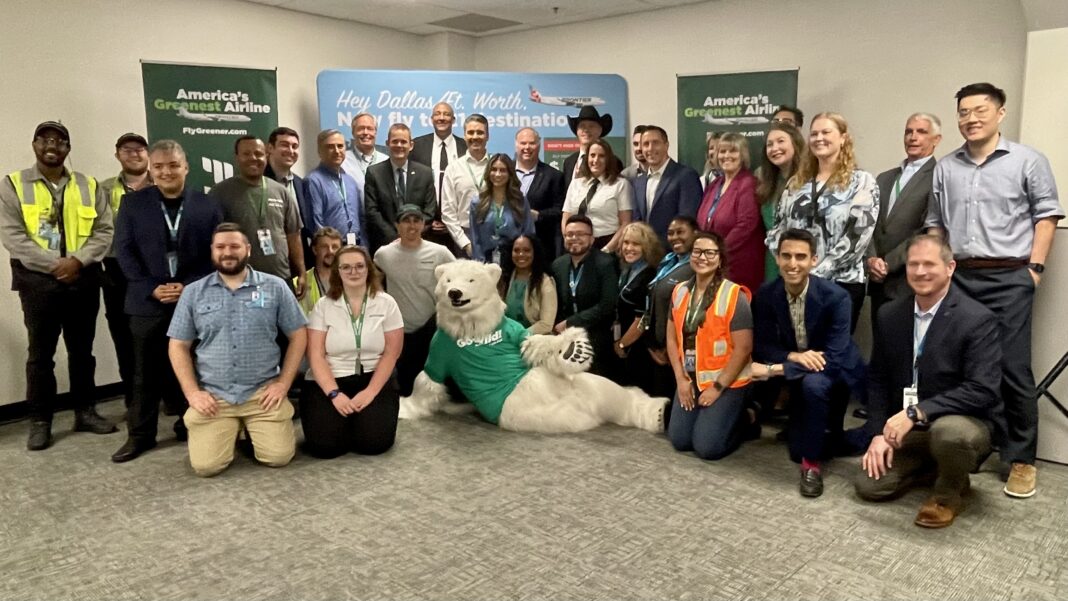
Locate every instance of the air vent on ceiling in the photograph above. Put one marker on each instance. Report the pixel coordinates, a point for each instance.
(474, 23)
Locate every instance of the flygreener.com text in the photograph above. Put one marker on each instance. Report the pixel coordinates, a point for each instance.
(199, 131)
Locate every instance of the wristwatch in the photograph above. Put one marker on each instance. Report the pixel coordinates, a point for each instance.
(1036, 267)
(719, 387)
(913, 414)
(333, 394)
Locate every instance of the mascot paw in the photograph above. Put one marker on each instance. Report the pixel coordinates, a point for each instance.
(407, 411)
(566, 354)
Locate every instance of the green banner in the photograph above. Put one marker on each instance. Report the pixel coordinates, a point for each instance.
(205, 108)
(730, 102)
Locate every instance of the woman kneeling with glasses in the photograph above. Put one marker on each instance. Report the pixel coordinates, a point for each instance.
(355, 334)
(709, 344)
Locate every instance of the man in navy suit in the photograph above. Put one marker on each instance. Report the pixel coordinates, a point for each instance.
(933, 388)
(801, 340)
(283, 150)
(163, 243)
(666, 189)
(543, 188)
(391, 184)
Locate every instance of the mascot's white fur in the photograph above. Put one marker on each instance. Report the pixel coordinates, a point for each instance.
(555, 395)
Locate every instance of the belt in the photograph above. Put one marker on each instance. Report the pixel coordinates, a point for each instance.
(991, 263)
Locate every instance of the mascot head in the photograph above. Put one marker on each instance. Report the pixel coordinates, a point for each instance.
(467, 299)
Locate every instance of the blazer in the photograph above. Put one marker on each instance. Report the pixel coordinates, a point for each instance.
(738, 221)
(302, 199)
(539, 309)
(141, 245)
(423, 148)
(595, 297)
(546, 196)
(959, 369)
(827, 320)
(380, 202)
(679, 193)
(893, 229)
(569, 167)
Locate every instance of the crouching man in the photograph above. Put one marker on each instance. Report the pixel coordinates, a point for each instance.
(234, 316)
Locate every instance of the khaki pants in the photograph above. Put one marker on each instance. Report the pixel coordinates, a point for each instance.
(212, 439)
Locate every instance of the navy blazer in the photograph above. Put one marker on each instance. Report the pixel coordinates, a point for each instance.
(827, 319)
(141, 245)
(679, 193)
(546, 196)
(959, 369)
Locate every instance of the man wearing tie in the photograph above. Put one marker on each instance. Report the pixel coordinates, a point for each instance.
(667, 188)
(436, 150)
(543, 187)
(907, 186)
(393, 183)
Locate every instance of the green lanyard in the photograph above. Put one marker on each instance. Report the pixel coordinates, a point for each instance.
(476, 182)
(693, 310)
(357, 327)
(263, 200)
(341, 188)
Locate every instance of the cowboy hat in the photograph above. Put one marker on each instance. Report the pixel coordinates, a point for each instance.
(589, 113)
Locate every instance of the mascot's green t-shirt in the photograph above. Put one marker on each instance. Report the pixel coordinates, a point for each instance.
(486, 369)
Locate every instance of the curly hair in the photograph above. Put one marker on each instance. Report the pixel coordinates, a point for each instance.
(843, 169)
(644, 236)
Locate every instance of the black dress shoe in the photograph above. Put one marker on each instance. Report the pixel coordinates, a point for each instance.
(132, 449)
(181, 433)
(811, 483)
(88, 420)
(861, 413)
(40, 436)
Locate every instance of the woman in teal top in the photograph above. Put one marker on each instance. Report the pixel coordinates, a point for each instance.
(529, 294)
(784, 147)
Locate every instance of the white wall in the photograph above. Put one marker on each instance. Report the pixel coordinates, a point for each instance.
(78, 61)
(875, 61)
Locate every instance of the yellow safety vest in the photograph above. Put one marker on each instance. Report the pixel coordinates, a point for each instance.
(117, 192)
(313, 294)
(79, 207)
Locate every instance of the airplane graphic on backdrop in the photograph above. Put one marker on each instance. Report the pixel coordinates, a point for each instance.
(564, 100)
(735, 120)
(182, 112)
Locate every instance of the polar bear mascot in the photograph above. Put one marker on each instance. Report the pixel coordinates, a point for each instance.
(519, 381)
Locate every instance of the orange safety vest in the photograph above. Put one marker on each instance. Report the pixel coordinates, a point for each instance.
(713, 345)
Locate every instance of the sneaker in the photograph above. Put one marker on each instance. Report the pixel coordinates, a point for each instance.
(1021, 482)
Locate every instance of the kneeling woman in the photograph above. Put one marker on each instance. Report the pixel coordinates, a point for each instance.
(355, 334)
(709, 342)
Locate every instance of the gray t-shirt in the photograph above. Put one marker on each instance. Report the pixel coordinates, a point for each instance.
(410, 278)
(269, 205)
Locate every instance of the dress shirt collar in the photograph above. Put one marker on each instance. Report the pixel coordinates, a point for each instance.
(658, 172)
(916, 164)
(801, 296)
(920, 314)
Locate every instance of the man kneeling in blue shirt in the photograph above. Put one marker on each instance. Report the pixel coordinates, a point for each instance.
(234, 316)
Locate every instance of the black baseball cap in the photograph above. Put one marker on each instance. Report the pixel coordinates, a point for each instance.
(56, 125)
(410, 209)
(131, 137)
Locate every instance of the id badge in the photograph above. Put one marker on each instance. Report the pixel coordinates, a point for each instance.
(172, 263)
(266, 242)
(495, 256)
(617, 331)
(909, 397)
(689, 361)
(49, 233)
(350, 239)
(256, 300)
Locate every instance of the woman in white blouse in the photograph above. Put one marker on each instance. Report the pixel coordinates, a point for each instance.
(600, 193)
(355, 334)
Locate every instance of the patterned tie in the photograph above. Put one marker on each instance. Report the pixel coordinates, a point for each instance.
(589, 196)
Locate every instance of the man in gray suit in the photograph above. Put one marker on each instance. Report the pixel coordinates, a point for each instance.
(905, 188)
(393, 183)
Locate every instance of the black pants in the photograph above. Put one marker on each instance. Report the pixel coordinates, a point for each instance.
(1010, 293)
(856, 296)
(413, 356)
(816, 410)
(113, 285)
(51, 309)
(153, 377)
(328, 434)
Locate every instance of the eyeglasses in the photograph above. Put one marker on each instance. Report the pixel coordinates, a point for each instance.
(134, 150)
(704, 253)
(979, 112)
(352, 268)
(51, 141)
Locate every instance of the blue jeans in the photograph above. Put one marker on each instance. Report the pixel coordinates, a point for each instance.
(711, 432)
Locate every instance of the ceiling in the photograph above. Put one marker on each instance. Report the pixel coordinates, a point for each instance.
(470, 17)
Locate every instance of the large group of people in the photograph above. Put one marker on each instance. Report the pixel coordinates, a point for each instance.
(733, 292)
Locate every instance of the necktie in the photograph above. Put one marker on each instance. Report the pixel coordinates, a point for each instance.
(400, 184)
(443, 162)
(589, 196)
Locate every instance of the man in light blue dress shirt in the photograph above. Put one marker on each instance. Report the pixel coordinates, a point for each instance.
(334, 198)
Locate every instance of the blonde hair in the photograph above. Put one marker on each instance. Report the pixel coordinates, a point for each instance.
(843, 170)
(644, 235)
(736, 141)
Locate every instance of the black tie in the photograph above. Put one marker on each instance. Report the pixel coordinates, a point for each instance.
(443, 162)
(400, 185)
(589, 196)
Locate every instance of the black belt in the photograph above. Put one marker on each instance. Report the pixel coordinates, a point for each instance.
(990, 263)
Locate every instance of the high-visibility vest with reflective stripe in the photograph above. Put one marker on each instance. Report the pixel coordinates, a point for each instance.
(313, 294)
(79, 207)
(713, 346)
(115, 193)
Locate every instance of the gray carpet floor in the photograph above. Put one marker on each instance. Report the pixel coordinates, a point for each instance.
(461, 510)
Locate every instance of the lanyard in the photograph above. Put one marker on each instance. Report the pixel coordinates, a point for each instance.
(319, 283)
(498, 219)
(357, 326)
(715, 203)
(668, 264)
(172, 226)
(263, 201)
(341, 189)
(694, 308)
(918, 352)
(632, 273)
(476, 182)
(574, 276)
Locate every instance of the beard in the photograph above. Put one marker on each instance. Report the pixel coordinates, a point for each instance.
(236, 269)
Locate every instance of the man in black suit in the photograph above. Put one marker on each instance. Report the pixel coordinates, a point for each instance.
(586, 290)
(163, 243)
(905, 189)
(283, 150)
(543, 188)
(393, 183)
(933, 388)
(588, 126)
(801, 340)
(436, 150)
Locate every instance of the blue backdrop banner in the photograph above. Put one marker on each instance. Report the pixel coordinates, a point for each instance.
(510, 101)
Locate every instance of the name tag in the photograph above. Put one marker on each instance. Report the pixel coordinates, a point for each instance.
(266, 242)
(350, 239)
(689, 363)
(909, 397)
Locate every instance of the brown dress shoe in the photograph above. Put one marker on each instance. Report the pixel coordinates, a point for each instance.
(937, 512)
